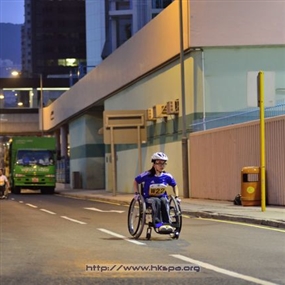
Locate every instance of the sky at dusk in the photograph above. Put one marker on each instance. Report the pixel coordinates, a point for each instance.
(12, 11)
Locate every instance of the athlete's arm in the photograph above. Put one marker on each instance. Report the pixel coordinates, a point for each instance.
(175, 190)
(136, 186)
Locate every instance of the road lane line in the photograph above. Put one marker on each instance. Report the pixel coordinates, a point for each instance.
(47, 211)
(31, 205)
(185, 216)
(108, 202)
(135, 241)
(89, 198)
(223, 271)
(72, 220)
(121, 236)
(104, 211)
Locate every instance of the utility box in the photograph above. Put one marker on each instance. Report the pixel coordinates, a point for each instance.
(250, 186)
(76, 180)
(172, 107)
(159, 111)
(150, 116)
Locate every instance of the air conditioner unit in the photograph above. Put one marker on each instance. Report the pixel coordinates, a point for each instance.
(159, 111)
(150, 116)
(172, 107)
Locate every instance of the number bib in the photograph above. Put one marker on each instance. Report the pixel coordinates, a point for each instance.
(156, 189)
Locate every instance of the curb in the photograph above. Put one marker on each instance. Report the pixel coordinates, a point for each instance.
(229, 217)
(197, 214)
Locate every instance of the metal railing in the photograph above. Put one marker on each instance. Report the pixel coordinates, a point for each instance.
(242, 116)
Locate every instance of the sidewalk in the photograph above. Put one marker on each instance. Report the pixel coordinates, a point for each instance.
(273, 216)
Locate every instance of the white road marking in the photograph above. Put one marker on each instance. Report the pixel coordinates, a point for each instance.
(47, 211)
(184, 216)
(91, 199)
(120, 236)
(31, 205)
(108, 202)
(104, 211)
(223, 271)
(72, 220)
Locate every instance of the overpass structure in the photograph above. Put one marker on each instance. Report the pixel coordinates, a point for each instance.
(20, 103)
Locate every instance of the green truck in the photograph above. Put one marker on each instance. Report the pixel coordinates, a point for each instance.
(32, 164)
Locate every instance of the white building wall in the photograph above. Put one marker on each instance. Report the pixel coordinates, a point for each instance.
(83, 133)
(126, 175)
(157, 88)
(226, 74)
(237, 23)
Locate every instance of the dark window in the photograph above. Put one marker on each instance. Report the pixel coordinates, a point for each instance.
(160, 4)
(122, 5)
(124, 29)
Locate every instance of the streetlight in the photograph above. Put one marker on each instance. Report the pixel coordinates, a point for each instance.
(2, 97)
(15, 73)
(41, 106)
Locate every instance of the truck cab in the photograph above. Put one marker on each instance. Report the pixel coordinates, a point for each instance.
(32, 164)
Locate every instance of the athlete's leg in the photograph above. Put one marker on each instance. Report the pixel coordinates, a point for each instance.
(156, 209)
(165, 210)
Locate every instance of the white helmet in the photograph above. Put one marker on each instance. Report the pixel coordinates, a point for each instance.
(159, 155)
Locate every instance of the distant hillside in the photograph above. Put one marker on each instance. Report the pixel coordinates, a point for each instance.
(10, 42)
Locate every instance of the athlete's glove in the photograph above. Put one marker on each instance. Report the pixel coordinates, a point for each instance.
(177, 199)
(137, 195)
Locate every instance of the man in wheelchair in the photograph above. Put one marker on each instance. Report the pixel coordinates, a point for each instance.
(154, 183)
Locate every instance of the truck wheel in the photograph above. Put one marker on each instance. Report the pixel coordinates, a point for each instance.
(16, 190)
(47, 190)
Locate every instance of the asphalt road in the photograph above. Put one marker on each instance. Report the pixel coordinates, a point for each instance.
(49, 239)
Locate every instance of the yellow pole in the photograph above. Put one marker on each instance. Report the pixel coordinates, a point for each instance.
(262, 140)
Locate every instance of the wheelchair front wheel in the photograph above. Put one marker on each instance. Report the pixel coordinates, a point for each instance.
(136, 216)
(175, 216)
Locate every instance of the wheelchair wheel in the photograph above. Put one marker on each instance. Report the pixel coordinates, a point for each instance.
(175, 216)
(136, 216)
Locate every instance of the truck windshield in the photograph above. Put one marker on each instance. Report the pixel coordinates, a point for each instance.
(31, 157)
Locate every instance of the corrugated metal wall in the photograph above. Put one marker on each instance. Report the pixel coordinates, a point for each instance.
(218, 155)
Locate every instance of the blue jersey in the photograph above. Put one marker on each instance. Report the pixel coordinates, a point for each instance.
(155, 186)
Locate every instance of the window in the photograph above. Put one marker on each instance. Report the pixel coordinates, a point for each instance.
(122, 5)
(160, 4)
(124, 29)
(32, 157)
(68, 62)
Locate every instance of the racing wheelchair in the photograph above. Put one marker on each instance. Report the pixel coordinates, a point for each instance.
(140, 214)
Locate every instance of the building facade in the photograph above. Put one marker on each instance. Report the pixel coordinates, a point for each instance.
(64, 37)
(110, 23)
(53, 37)
(221, 44)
